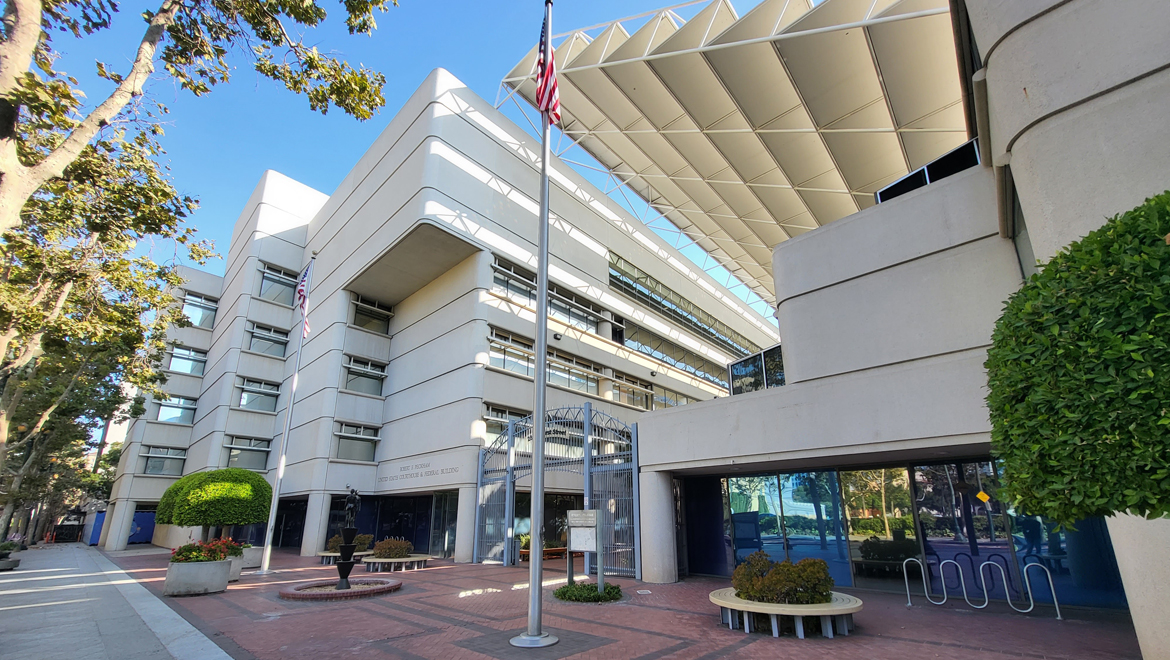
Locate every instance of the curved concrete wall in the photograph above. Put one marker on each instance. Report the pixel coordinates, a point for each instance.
(1077, 91)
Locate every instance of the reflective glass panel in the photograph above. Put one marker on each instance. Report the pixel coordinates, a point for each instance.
(755, 517)
(747, 375)
(812, 521)
(881, 527)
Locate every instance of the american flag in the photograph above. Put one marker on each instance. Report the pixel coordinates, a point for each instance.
(548, 100)
(303, 297)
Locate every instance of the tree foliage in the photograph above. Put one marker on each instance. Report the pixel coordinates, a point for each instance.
(231, 496)
(1079, 375)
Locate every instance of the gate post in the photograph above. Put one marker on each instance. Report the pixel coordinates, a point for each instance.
(587, 473)
(478, 507)
(510, 497)
(636, 473)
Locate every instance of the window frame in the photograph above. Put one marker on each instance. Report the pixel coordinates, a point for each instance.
(205, 303)
(164, 454)
(277, 275)
(269, 334)
(372, 309)
(181, 403)
(196, 357)
(231, 444)
(356, 367)
(258, 388)
(357, 436)
(513, 283)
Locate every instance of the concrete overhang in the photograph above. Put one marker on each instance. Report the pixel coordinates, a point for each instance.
(415, 260)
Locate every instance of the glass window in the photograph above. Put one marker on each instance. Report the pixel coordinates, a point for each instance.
(664, 398)
(632, 392)
(200, 310)
(813, 526)
(177, 410)
(877, 505)
(356, 443)
(164, 460)
(248, 453)
(511, 353)
(664, 350)
(519, 286)
(774, 366)
(638, 285)
(497, 418)
(258, 395)
(573, 373)
(747, 375)
(371, 315)
(278, 285)
(188, 361)
(365, 376)
(269, 341)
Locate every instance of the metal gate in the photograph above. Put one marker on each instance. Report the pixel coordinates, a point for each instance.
(580, 440)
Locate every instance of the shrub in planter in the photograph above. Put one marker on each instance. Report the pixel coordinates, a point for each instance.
(197, 568)
(765, 581)
(362, 541)
(1077, 376)
(586, 592)
(393, 549)
(234, 552)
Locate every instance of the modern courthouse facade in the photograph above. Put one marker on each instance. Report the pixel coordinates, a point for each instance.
(884, 173)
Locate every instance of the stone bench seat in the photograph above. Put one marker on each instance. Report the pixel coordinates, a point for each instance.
(380, 564)
(329, 558)
(838, 612)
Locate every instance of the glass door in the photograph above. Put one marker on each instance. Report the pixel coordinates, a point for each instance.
(444, 510)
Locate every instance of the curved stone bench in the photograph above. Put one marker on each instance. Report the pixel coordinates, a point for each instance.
(328, 558)
(379, 564)
(838, 611)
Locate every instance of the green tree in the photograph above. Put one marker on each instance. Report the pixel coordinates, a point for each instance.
(193, 39)
(1079, 376)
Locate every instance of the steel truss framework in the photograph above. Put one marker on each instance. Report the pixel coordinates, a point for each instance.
(742, 132)
(578, 440)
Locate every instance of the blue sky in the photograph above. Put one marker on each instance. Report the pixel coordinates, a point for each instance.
(218, 145)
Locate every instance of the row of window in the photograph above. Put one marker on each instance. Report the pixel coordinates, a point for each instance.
(637, 284)
(644, 341)
(519, 285)
(513, 353)
(354, 442)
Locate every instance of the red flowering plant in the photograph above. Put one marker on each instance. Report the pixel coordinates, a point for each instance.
(194, 552)
(230, 548)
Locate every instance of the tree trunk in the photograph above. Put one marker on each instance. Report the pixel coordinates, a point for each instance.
(6, 517)
(885, 518)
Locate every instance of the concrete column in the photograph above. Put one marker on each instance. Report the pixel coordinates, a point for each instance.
(605, 384)
(465, 524)
(106, 520)
(1140, 546)
(316, 524)
(659, 552)
(123, 520)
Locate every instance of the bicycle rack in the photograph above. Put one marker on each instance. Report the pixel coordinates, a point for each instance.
(986, 595)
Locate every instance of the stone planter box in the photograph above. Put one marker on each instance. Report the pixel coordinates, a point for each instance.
(253, 556)
(237, 567)
(197, 577)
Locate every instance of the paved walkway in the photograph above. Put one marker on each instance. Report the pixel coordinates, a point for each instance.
(456, 611)
(70, 602)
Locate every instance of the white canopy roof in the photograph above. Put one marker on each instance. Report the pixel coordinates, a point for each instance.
(747, 131)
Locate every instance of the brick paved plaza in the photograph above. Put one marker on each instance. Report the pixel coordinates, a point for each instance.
(451, 611)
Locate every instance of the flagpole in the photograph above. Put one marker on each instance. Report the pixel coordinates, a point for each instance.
(535, 637)
(266, 558)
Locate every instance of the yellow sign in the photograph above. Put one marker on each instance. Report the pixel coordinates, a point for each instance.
(984, 497)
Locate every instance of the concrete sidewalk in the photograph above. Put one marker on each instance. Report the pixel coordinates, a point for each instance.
(70, 602)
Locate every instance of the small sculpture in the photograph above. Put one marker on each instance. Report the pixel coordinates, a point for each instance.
(353, 504)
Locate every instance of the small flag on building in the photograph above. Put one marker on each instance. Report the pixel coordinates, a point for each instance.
(303, 297)
(548, 99)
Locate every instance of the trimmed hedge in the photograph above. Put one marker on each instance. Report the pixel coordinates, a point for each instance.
(361, 541)
(1079, 375)
(762, 580)
(231, 496)
(586, 592)
(393, 549)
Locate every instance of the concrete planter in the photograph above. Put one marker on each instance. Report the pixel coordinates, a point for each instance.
(252, 556)
(197, 577)
(237, 566)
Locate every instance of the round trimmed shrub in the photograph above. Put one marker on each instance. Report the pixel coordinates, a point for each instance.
(164, 514)
(231, 496)
(361, 542)
(1079, 375)
(393, 549)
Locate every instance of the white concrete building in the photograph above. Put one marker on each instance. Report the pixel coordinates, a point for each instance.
(422, 331)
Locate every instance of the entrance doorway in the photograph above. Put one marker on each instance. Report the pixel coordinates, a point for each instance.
(444, 512)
